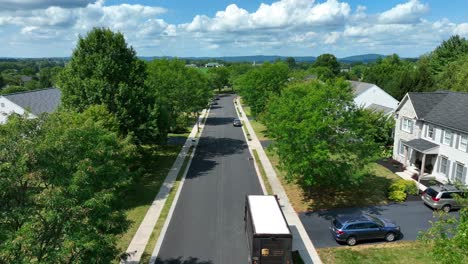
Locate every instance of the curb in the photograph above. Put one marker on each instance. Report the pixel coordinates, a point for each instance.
(301, 240)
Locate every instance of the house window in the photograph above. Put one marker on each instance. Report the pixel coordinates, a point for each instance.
(448, 136)
(430, 132)
(407, 125)
(463, 145)
(443, 165)
(459, 172)
(401, 149)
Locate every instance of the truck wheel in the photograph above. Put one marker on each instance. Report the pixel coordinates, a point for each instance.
(351, 241)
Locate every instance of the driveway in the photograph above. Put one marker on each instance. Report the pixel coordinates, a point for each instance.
(412, 217)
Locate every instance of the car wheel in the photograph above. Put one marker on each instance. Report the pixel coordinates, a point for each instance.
(390, 237)
(446, 208)
(351, 241)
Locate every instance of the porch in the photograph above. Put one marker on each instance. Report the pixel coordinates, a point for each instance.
(419, 162)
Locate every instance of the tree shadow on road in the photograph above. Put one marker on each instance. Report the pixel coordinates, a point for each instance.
(218, 121)
(179, 260)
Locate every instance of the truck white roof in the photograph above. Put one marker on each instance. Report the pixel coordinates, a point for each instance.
(267, 217)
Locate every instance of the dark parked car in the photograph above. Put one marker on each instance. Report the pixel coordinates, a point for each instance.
(216, 97)
(354, 228)
(442, 197)
(236, 122)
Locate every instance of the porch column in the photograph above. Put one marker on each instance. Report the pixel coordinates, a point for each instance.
(406, 156)
(423, 164)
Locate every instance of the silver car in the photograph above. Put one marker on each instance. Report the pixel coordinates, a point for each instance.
(442, 197)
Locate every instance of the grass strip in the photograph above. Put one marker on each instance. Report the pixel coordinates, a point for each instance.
(246, 131)
(262, 173)
(145, 258)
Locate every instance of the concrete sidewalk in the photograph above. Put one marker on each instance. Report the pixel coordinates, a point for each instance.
(301, 240)
(140, 239)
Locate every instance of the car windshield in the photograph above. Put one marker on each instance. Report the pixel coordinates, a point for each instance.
(337, 224)
(431, 192)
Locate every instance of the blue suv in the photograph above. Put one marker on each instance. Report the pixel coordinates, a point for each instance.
(354, 228)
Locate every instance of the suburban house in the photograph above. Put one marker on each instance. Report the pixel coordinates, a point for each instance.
(213, 65)
(370, 96)
(32, 102)
(431, 136)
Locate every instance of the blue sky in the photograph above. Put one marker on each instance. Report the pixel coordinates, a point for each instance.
(48, 28)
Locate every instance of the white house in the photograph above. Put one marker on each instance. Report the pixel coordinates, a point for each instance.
(370, 96)
(33, 102)
(431, 135)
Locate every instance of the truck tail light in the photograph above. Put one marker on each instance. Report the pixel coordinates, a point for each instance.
(339, 232)
(435, 199)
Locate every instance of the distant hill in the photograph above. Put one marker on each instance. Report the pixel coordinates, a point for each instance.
(366, 58)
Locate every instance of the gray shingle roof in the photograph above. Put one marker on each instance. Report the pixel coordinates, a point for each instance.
(360, 87)
(380, 108)
(445, 108)
(420, 144)
(38, 101)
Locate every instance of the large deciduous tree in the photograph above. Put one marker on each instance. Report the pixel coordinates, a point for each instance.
(104, 70)
(219, 77)
(62, 179)
(258, 85)
(321, 138)
(328, 61)
(180, 90)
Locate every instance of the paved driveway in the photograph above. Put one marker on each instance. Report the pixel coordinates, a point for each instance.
(411, 216)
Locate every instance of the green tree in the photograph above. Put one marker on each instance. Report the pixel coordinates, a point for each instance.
(2, 81)
(448, 237)
(13, 89)
(260, 84)
(455, 75)
(447, 52)
(321, 138)
(180, 90)
(104, 70)
(329, 61)
(62, 178)
(219, 77)
(291, 62)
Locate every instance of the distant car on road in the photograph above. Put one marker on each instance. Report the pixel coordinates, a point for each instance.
(359, 227)
(216, 97)
(236, 122)
(214, 103)
(442, 197)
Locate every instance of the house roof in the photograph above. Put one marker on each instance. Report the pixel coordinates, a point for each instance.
(445, 108)
(420, 144)
(38, 101)
(380, 108)
(360, 87)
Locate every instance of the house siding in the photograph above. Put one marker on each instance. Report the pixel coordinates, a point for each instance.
(451, 152)
(7, 108)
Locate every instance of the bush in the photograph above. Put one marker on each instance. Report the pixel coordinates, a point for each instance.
(397, 196)
(398, 185)
(411, 188)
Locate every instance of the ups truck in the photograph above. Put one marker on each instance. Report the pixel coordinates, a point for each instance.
(268, 235)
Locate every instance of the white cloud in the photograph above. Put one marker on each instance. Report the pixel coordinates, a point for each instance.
(332, 37)
(280, 14)
(462, 30)
(409, 12)
(42, 4)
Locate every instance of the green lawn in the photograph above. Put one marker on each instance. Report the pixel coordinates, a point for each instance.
(155, 163)
(391, 253)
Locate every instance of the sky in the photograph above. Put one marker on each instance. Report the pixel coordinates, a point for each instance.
(189, 28)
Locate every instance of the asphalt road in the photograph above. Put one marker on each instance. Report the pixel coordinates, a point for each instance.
(207, 226)
(411, 216)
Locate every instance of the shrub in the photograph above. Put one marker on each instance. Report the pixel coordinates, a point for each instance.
(398, 185)
(397, 196)
(411, 188)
